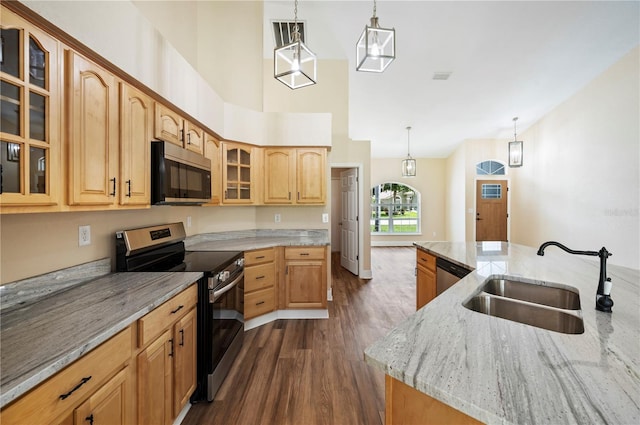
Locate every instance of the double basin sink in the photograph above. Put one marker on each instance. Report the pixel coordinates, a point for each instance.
(549, 306)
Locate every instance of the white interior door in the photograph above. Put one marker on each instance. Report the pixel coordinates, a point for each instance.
(349, 220)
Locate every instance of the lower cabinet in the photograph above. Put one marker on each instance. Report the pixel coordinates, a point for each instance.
(305, 283)
(167, 364)
(155, 366)
(259, 282)
(425, 278)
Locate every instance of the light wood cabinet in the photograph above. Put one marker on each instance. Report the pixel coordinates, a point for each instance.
(305, 277)
(93, 136)
(136, 132)
(86, 384)
(30, 131)
(212, 151)
(405, 405)
(294, 176)
(167, 360)
(237, 173)
(172, 127)
(260, 286)
(110, 404)
(425, 278)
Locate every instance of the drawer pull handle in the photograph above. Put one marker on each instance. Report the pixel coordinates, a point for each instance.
(261, 302)
(260, 277)
(82, 382)
(177, 309)
(114, 187)
(90, 419)
(302, 254)
(182, 337)
(260, 257)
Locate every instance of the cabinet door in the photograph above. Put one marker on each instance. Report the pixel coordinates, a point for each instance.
(185, 361)
(311, 176)
(155, 382)
(279, 176)
(425, 286)
(136, 131)
(194, 138)
(305, 284)
(93, 122)
(236, 178)
(30, 138)
(168, 125)
(111, 404)
(212, 151)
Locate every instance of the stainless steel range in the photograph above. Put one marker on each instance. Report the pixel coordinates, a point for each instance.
(220, 294)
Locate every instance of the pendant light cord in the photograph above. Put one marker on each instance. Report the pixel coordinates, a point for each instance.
(295, 16)
(515, 137)
(408, 141)
(374, 8)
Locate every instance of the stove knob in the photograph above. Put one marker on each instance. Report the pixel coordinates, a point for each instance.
(240, 262)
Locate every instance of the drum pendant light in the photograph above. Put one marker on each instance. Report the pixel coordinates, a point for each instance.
(294, 65)
(515, 148)
(408, 164)
(376, 47)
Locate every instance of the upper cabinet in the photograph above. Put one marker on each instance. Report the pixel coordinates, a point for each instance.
(212, 151)
(93, 132)
(237, 173)
(136, 132)
(30, 109)
(172, 127)
(295, 176)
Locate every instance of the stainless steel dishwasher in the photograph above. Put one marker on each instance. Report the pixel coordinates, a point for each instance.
(447, 274)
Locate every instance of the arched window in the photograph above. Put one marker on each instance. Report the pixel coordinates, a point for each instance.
(490, 168)
(395, 209)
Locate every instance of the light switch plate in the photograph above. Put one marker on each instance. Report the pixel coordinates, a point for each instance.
(325, 217)
(277, 218)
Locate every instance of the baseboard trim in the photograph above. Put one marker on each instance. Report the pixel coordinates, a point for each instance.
(285, 314)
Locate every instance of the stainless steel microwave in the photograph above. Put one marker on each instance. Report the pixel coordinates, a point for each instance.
(178, 176)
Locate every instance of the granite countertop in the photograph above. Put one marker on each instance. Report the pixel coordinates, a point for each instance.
(39, 338)
(503, 372)
(248, 240)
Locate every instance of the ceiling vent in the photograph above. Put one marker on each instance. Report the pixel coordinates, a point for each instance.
(283, 32)
(441, 75)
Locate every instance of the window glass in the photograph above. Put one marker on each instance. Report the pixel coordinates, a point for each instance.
(490, 168)
(37, 69)
(491, 191)
(37, 170)
(395, 208)
(10, 108)
(10, 52)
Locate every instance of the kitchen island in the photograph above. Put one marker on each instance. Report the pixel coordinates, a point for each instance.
(499, 371)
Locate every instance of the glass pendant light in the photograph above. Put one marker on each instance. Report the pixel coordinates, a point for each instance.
(515, 148)
(294, 64)
(408, 164)
(376, 48)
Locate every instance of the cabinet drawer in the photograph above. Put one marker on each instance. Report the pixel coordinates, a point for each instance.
(65, 390)
(304, 253)
(157, 321)
(259, 277)
(426, 260)
(258, 256)
(259, 302)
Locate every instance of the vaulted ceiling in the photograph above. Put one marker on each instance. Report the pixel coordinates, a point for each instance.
(506, 59)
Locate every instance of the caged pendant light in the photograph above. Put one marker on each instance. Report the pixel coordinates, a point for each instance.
(294, 64)
(408, 164)
(376, 48)
(515, 148)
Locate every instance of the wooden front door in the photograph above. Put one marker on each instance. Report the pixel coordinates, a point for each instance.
(491, 210)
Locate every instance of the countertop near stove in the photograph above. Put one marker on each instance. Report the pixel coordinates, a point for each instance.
(247, 240)
(503, 372)
(42, 337)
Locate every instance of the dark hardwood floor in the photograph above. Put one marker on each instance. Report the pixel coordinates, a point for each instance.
(308, 372)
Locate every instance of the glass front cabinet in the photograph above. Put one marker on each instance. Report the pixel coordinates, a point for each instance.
(237, 172)
(30, 110)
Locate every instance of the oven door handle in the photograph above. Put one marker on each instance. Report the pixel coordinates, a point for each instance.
(219, 292)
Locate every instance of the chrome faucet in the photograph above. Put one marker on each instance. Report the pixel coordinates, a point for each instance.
(603, 299)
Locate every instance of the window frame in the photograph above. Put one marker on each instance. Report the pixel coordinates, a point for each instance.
(415, 202)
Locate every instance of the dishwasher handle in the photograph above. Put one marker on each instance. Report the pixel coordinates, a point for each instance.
(451, 268)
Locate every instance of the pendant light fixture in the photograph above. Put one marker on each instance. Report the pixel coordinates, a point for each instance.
(294, 64)
(376, 48)
(515, 148)
(408, 164)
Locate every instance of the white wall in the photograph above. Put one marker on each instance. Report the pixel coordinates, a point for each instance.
(580, 182)
(455, 204)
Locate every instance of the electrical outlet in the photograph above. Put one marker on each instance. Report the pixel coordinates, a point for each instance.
(84, 235)
(188, 221)
(277, 218)
(325, 217)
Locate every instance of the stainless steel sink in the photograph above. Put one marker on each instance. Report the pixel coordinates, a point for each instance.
(547, 295)
(552, 319)
(548, 307)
